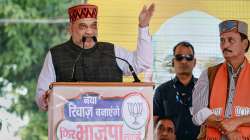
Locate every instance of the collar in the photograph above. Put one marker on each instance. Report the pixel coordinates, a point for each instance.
(176, 80)
(231, 70)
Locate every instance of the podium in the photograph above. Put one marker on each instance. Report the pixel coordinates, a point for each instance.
(100, 111)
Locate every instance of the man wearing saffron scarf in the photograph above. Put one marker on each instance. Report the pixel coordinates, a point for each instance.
(221, 98)
(83, 58)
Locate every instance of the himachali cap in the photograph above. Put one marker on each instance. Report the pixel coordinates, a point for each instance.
(82, 11)
(236, 25)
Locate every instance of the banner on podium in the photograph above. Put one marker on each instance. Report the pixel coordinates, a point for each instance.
(101, 113)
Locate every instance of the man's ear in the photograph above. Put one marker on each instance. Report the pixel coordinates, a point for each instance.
(194, 62)
(245, 44)
(173, 62)
(69, 28)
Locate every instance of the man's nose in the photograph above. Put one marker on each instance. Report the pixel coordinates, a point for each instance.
(165, 133)
(184, 60)
(225, 45)
(89, 31)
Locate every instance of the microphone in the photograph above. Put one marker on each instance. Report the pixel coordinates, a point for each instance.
(94, 39)
(136, 79)
(84, 40)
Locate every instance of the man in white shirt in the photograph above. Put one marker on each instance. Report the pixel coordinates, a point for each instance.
(82, 58)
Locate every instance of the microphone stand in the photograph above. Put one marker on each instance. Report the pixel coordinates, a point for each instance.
(73, 78)
(83, 49)
(136, 79)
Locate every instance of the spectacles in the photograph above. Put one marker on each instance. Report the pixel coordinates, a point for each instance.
(228, 25)
(180, 57)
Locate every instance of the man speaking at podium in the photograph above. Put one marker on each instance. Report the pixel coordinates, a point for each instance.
(82, 58)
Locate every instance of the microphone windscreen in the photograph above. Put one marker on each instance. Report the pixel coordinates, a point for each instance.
(84, 39)
(94, 39)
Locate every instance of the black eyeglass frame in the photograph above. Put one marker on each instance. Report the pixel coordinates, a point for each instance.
(180, 57)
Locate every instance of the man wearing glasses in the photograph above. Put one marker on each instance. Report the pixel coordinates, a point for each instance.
(174, 98)
(221, 99)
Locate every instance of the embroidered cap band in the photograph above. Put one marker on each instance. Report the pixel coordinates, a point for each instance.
(82, 11)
